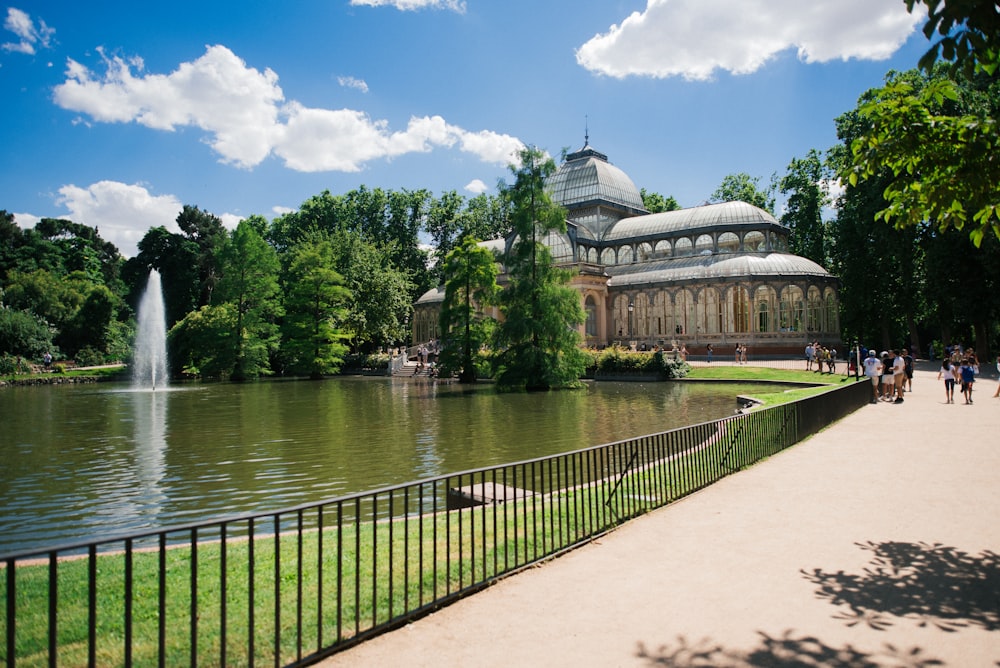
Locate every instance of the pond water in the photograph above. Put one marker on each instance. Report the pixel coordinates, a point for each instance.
(83, 461)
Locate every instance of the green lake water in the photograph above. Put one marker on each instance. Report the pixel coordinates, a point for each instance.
(83, 461)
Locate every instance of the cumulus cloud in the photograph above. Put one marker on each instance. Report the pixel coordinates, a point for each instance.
(121, 212)
(476, 187)
(351, 82)
(29, 35)
(246, 117)
(410, 5)
(695, 38)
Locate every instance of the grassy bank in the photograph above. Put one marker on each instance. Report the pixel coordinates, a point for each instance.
(334, 583)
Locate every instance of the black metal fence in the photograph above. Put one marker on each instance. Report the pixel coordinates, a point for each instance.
(292, 586)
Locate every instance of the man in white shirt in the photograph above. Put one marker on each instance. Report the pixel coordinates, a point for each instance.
(873, 367)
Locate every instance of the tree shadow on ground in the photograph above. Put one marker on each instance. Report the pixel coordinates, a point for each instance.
(931, 584)
(787, 651)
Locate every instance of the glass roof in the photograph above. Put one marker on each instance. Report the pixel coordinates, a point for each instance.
(668, 223)
(702, 267)
(587, 176)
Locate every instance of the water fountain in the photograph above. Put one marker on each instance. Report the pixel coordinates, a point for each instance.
(149, 366)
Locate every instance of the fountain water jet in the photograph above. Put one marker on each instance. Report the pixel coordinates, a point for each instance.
(149, 365)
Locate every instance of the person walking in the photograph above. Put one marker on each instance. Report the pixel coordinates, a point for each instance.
(949, 380)
(968, 378)
(997, 393)
(709, 351)
(908, 369)
(873, 369)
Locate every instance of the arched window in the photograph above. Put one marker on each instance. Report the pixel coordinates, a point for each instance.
(591, 308)
(683, 247)
(645, 252)
(704, 245)
(754, 242)
(740, 309)
(767, 308)
(729, 242)
(608, 256)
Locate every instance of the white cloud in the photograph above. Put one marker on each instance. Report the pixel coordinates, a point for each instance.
(282, 210)
(476, 186)
(236, 104)
(121, 213)
(31, 36)
(351, 82)
(244, 112)
(26, 220)
(410, 5)
(694, 38)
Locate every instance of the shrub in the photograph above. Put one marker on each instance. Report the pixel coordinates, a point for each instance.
(11, 365)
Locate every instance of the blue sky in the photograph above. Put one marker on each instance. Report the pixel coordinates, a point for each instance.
(115, 114)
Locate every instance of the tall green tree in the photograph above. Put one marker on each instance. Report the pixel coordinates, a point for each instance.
(470, 285)
(177, 259)
(804, 211)
(208, 234)
(742, 187)
(381, 294)
(315, 306)
(537, 343)
(880, 269)
(249, 282)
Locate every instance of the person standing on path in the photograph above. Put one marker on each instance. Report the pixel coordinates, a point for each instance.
(898, 375)
(908, 369)
(709, 350)
(949, 380)
(809, 356)
(873, 369)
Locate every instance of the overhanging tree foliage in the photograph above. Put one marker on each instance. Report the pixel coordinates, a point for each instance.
(942, 153)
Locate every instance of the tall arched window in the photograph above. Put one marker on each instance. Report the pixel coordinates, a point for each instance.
(591, 308)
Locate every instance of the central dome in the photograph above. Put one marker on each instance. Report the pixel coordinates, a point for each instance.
(588, 179)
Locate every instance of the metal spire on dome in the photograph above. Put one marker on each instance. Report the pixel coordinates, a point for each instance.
(587, 151)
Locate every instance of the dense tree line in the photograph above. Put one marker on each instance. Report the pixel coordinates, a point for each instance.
(293, 295)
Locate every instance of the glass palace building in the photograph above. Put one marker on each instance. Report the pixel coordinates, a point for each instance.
(717, 274)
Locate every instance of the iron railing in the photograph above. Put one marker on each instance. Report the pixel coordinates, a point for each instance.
(292, 586)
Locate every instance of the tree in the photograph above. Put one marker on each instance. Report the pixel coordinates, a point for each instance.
(23, 334)
(249, 281)
(471, 284)
(657, 203)
(537, 343)
(207, 232)
(381, 294)
(943, 157)
(970, 34)
(201, 344)
(804, 212)
(742, 187)
(880, 269)
(177, 259)
(315, 305)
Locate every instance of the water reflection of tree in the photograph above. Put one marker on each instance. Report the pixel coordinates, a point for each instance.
(787, 651)
(933, 584)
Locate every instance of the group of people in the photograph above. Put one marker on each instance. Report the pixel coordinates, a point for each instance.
(819, 358)
(961, 368)
(891, 374)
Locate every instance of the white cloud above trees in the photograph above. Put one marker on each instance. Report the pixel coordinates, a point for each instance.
(247, 119)
(695, 39)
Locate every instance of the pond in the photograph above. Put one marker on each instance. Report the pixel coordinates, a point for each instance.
(83, 461)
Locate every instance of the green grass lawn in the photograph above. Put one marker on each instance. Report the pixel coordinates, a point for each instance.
(822, 382)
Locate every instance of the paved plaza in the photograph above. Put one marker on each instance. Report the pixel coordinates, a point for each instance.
(873, 543)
